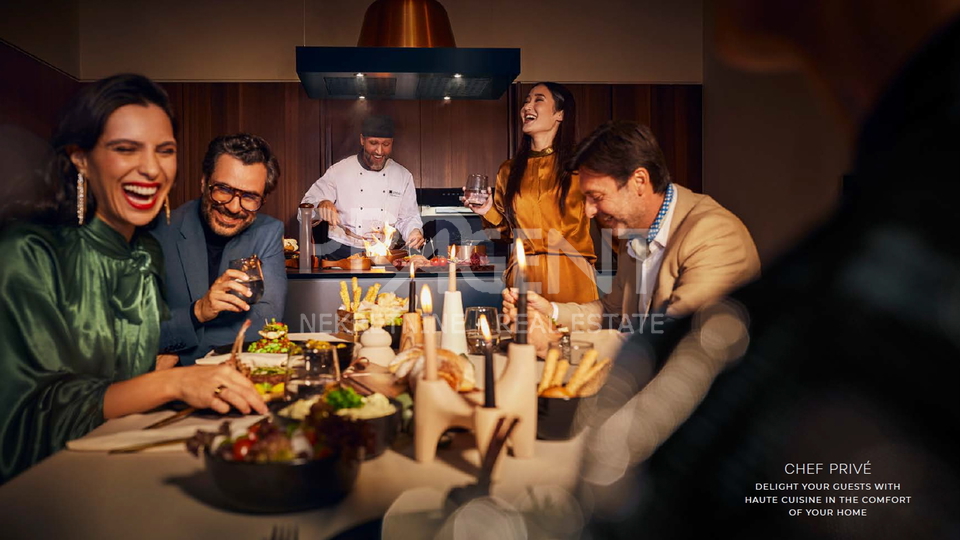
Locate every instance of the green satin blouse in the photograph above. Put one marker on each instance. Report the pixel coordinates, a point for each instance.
(79, 309)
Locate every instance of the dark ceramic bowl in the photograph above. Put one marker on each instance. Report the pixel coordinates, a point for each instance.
(559, 419)
(285, 487)
(344, 354)
(379, 433)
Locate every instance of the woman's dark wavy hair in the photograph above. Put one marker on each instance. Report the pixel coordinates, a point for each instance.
(563, 144)
(52, 198)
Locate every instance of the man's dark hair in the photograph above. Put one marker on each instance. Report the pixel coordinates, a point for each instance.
(249, 149)
(617, 148)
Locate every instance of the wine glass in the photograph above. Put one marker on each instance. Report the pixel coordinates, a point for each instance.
(472, 327)
(475, 191)
(312, 370)
(251, 267)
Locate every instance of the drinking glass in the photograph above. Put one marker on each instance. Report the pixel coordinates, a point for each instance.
(312, 370)
(472, 327)
(577, 350)
(475, 191)
(251, 267)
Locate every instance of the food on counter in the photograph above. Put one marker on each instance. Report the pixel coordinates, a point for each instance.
(290, 245)
(436, 264)
(586, 380)
(274, 340)
(456, 369)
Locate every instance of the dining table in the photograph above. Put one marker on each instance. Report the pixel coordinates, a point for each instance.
(169, 494)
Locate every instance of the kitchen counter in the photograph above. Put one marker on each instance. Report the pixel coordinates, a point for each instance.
(313, 297)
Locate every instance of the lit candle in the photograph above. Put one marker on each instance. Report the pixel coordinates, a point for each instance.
(452, 283)
(429, 335)
(412, 301)
(489, 379)
(521, 337)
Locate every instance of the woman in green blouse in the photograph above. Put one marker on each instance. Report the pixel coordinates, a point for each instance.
(80, 300)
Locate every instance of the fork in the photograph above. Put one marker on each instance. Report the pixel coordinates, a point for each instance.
(282, 532)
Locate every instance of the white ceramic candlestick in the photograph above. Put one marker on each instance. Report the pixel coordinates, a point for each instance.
(376, 346)
(517, 396)
(454, 336)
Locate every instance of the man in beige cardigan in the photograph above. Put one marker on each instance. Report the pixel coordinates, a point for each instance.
(681, 249)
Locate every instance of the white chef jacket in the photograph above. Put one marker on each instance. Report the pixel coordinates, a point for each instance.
(367, 199)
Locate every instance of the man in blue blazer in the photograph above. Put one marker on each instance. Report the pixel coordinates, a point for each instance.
(208, 301)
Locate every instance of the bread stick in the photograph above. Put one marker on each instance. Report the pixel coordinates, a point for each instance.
(595, 376)
(549, 367)
(344, 296)
(371, 295)
(356, 293)
(561, 372)
(586, 362)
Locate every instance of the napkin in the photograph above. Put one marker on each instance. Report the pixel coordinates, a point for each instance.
(126, 439)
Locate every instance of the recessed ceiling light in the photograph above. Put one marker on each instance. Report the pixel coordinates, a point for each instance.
(457, 75)
(359, 74)
(446, 98)
(363, 97)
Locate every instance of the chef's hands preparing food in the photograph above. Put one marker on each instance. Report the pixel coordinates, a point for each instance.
(327, 211)
(416, 240)
(219, 297)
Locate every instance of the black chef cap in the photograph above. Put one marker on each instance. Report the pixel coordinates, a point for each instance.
(377, 126)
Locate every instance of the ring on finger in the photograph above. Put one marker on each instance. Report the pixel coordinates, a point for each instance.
(219, 389)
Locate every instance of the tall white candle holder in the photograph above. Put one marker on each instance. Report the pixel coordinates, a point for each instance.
(454, 335)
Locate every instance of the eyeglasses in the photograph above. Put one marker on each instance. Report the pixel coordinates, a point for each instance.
(224, 194)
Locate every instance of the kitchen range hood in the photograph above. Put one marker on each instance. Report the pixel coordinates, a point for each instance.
(406, 50)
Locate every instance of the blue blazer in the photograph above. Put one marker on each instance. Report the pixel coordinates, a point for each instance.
(185, 262)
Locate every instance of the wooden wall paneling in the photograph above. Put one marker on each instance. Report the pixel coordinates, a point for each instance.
(32, 93)
(340, 122)
(301, 165)
(459, 138)
(263, 113)
(676, 123)
(631, 102)
(594, 107)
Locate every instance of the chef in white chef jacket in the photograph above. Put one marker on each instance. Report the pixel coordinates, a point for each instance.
(360, 193)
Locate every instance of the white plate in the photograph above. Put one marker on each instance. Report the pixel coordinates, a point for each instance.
(319, 336)
(251, 359)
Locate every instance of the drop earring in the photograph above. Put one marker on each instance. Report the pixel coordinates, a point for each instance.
(166, 207)
(81, 202)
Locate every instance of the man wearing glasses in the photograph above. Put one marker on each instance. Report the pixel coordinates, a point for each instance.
(207, 302)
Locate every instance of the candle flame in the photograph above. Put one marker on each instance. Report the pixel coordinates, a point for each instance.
(485, 329)
(426, 300)
(412, 271)
(452, 252)
(521, 258)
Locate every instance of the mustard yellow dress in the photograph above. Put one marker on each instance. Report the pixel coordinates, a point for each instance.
(558, 246)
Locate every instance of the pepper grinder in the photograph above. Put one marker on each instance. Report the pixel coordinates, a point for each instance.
(306, 237)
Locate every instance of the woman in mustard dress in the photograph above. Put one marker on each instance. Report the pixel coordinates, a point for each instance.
(537, 200)
(80, 282)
